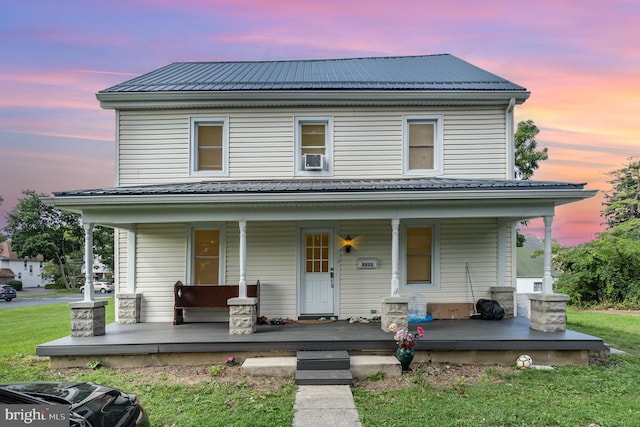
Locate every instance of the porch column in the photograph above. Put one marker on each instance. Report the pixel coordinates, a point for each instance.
(129, 302)
(548, 309)
(395, 308)
(547, 280)
(242, 310)
(88, 262)
(395, 255)
(88, 316)
(243, 260)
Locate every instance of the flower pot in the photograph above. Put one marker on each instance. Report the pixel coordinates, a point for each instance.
(405, 356)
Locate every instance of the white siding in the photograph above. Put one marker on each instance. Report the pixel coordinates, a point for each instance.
(154, 145)
(271, 258)
(462, 242)
(160, 262)
(361, 290)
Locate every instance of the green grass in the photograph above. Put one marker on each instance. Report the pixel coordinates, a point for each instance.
(618, 330)
(167, 403)
(599, 395)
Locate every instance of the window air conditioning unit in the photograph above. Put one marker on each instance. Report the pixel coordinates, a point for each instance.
(313, 162)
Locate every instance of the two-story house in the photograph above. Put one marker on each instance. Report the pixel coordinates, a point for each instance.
(335, 183)
(26, 270)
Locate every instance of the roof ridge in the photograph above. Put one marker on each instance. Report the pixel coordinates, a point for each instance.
(267, 61)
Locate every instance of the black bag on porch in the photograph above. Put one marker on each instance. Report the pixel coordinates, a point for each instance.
(489, 309)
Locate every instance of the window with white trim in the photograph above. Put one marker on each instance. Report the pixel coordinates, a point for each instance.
(422, 145)
(313, 146)
(206, 257)
(420, 255)
(209, 146)
(537, 286)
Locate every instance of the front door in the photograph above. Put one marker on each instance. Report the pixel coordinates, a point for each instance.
(317, 273)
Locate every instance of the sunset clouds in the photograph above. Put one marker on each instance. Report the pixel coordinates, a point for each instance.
(581, 62)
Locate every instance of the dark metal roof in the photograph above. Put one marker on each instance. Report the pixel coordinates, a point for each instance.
(428, 72)
(323, 186)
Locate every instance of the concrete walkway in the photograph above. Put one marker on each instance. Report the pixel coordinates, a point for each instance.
(325, 405)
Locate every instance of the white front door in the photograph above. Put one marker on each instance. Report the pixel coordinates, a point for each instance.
(316, 292)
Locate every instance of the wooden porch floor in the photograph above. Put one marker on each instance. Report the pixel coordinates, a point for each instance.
(440, 336)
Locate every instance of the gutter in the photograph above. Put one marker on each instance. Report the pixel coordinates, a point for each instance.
(274, 98)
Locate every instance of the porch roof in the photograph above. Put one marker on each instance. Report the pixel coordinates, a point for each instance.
(305, 199)
(325, 186)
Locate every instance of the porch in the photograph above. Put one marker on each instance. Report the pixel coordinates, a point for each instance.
(452, 341)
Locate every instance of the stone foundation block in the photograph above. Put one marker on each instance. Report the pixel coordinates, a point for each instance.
(548, 312)
(395, 310)
(129, 306)
(506, 297)
(87, 318)
(242, 315)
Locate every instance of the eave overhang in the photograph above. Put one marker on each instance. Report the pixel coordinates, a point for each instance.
(302, 98)
(188, 203)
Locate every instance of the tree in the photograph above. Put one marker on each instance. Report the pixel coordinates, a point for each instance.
(527, 156)
(622, 202)
(103, 245)
(604, 271)
(35, 228)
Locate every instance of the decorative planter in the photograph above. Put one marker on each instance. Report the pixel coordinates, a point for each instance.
(405, 356)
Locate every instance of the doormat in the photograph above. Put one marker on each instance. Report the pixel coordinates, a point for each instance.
(314, 321)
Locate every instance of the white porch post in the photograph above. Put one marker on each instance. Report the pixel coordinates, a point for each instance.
(243, 260)
(395, 308)
(88, 316)
(395, 256)
(242, 310)
(547, 280)
(548, 309)
(88, 262)
(129, 302)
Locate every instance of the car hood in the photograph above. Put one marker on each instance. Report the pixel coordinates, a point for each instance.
(92, 401)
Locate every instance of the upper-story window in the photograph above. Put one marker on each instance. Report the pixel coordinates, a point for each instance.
(209, 146)
(314, 146)
(422, 145)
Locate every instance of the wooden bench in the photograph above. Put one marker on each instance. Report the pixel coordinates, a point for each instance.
(207, 296)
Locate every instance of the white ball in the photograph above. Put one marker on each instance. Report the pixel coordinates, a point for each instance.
(524, 361)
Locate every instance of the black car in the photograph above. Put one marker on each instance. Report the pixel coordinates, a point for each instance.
(7, 292)
(89, 404)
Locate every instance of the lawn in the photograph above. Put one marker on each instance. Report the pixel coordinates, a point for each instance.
(603, 394)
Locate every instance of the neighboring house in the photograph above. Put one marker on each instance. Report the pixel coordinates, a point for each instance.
(27, 270)
(100, 271)
(335, 183)
(529, 278)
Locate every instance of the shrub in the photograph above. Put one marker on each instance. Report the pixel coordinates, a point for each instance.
(17, 284)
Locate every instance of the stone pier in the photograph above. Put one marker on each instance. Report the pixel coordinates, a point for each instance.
(395, 310)
(548, 312)
(505, 296)
(129, 308)
(87, 318)
(242, 315)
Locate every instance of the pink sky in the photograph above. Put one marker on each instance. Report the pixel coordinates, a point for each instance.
(581, 63)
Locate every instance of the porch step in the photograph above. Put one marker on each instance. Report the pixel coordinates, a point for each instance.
(323, 360)
(324, 377)
(323, 368)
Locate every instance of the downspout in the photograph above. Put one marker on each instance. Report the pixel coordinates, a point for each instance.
(511, 159)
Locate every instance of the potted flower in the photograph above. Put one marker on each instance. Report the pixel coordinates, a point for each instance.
(406, 342)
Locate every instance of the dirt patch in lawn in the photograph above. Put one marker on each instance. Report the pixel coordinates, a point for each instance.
(435, 375)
